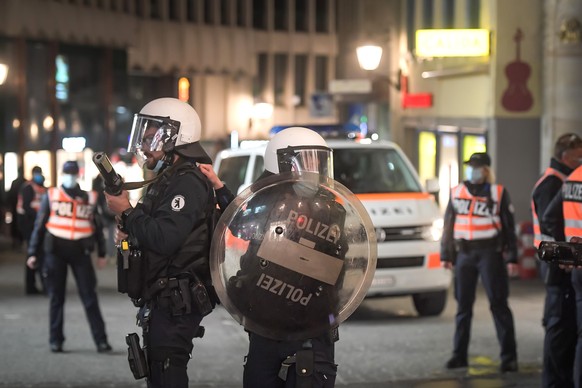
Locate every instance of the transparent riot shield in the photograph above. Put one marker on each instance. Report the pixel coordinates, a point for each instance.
(293, 256)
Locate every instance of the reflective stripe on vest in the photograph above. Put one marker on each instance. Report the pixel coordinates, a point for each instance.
(35, 203)
(70, 218)
(572, 206)
(538, 235)
(473, 218)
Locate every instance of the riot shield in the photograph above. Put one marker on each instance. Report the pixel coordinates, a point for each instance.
(293, 256)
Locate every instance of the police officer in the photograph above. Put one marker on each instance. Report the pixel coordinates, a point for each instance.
(479, 227)
(67, 227)
(273, 363)
(26, 208)
(563, 221)
(559, 318)
(169, 228)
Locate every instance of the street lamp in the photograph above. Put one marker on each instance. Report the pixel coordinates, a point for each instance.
(369, 56)
(3, 73)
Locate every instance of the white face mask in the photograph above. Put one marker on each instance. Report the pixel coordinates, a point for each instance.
(69, 181)
(474, 174)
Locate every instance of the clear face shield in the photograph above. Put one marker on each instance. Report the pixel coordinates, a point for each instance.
(317, 159)
(150, 133)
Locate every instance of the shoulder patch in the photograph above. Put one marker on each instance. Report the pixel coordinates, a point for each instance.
(178, 203)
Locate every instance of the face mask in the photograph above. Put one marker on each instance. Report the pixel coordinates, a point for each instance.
(38, 179)
(69, 181)
(474, 175)
(159, 165)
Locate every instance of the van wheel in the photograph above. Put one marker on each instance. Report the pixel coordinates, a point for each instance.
(430, 303)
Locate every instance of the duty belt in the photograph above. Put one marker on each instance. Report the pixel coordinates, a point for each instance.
(463, 245)
(175, 295)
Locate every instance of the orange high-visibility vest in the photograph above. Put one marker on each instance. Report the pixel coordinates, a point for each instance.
(538, 235)
(70, 218)
(473, 218)
(572, 204)
(35, 203)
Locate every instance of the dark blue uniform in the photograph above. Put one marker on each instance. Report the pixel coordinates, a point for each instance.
(559, 318)
(170, 228)
(61, 253)
(484, 258)
(552, 224)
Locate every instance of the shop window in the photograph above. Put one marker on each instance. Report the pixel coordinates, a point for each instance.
(281, 65)
(301, 15)
(427, 13)
(321, 73)
(410, 25)
(448, 13)
(192, 10)
(208, 12)
(155, 11)
(321, 16)
(300, 79)
(427, 148)
(473, 15)
(173, 10)
(225, 12)
(241, 12)
(260, 81)
(281, 15)
(260, 14)
(139, 12)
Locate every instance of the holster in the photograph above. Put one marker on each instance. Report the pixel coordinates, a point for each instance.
(130, 269)
(136, 357)
(182, 294)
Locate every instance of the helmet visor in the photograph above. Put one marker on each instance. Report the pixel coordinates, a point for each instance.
(150, 133)
(316, 159)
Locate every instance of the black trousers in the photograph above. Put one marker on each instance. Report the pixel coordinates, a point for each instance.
(169, 345)
(265, 357)
(56, 264)
(560, 331)
(577, 285)
(488, 264)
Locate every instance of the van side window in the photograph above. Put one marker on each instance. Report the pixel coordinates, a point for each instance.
(259, 167)
(233, 170)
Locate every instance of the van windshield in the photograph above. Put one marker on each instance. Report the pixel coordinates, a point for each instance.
(377, 170)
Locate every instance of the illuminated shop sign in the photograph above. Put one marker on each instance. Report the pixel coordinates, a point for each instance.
(452, 43)
(62, 78)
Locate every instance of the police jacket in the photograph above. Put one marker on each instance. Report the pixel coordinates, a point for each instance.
(67, 222)
(544, 191)
(495, 208)
(563, 216)
(27, 206)
(170, 226)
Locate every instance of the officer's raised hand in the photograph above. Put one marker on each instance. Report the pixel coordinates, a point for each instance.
(208, 171)
(118, 203)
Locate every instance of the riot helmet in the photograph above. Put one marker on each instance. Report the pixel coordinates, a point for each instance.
(298, 149)
(168, 125)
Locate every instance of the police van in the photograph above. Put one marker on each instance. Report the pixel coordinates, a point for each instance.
(406, 217)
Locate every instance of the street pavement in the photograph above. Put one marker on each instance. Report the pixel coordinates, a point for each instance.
(25, 359)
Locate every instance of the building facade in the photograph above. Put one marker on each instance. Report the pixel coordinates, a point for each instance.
(80, 69)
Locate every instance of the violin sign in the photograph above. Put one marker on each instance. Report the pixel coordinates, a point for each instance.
(452, 43)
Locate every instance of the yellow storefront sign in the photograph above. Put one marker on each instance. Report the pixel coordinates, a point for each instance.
(452, 43)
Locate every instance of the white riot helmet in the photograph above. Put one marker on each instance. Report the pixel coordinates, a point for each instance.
(169, 125)
(298, 149)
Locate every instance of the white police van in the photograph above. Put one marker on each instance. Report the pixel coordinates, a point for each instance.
(407, 219)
